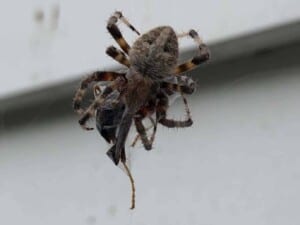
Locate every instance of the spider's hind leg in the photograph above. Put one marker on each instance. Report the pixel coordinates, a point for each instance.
(115, 31)
(161, 113)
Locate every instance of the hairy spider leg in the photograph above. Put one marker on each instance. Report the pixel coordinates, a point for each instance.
(118, 55)
(161, 113)
(115, 31)
(154, 125)
(186, 89)
(196, 60)
(182, 89)
(142, 133)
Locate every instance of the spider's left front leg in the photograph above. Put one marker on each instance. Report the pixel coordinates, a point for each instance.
(115, 31)
(196, 60)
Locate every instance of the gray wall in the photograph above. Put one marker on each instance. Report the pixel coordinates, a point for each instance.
(238, 164)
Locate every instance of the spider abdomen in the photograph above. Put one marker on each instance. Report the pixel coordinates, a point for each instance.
(155, 53)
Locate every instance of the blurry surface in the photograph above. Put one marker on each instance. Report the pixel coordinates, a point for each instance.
(238, 164)
(51, 41)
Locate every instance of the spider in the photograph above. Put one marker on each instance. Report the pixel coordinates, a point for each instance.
(151, 59)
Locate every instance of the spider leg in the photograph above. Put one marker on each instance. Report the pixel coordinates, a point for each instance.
(115, 31)
(154, 125)
(96, 76)
(186, 89)
(196, 60)
(161, 113)
(186, 86)
(118, 55)
(146, 111)
(187, 109)
(143, 134)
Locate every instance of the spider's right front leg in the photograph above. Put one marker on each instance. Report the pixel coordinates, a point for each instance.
(203, 55)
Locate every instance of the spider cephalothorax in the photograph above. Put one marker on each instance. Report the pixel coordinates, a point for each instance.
(155, 53)
(141, 91)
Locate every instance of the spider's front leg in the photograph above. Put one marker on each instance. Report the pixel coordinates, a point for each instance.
(203, 55)
(94, 77)
(115, 31)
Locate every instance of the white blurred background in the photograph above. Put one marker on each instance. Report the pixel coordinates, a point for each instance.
(238, 164)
